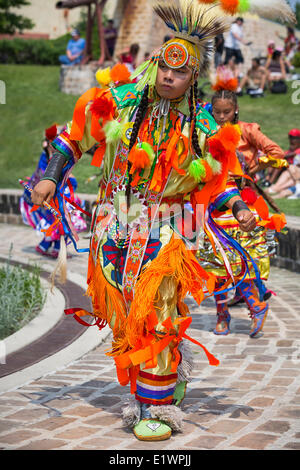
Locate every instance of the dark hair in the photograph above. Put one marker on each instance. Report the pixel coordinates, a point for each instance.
(193, 100)
(239, 19)
(257, 60)
(141, 111)
(134, 48)
(226, 95)
(276, 54)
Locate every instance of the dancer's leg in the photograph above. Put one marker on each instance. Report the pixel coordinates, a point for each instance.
(257, 310)
(223, 316)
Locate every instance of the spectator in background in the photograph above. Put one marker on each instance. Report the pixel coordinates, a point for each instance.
(232, 67)
(288, 183)
(290, 45)
(110, 35)
(129, 58)
(270, 49)
(292, 153)
(219, 49)
(255, 80)
(233, 42)
(276, 73)
(75, 50)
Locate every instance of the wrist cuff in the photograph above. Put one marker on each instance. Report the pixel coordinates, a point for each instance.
(239, 206)
(54, 169)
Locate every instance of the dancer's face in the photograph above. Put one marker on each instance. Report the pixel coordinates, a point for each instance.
(224, 111)
(173, 83)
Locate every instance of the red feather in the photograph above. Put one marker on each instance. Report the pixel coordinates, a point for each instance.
(249, 196)
(51, 132)
(102, 107)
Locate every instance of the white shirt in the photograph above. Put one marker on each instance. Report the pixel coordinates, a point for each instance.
(231, 41)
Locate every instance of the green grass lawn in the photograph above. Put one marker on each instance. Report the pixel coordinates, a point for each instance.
(34, 102)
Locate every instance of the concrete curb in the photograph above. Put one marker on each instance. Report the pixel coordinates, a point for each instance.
(88, 341)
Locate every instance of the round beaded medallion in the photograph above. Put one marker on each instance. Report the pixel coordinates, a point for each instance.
(175, 55)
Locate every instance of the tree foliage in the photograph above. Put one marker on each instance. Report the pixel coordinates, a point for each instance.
(10, 21)
(298, 14)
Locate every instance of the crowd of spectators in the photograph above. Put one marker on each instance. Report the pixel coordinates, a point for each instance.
(267, 73)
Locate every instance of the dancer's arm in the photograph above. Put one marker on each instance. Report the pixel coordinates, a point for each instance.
(242, 213)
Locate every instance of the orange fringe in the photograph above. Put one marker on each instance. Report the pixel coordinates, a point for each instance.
(106, 299)
(174, 260)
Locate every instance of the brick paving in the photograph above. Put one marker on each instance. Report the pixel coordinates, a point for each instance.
(250, 402)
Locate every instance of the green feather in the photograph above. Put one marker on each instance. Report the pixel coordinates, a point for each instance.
(149, 150)
(244, 6)
(113, 131)
(197, 170)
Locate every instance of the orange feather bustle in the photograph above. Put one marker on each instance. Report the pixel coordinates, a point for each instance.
(216, 149)
(229, 136)
(230, 6)
(120, 74)
(231, 84)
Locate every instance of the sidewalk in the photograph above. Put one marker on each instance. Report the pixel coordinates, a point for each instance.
(251, 401)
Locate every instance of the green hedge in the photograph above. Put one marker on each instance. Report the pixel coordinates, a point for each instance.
(296, 60)
(32, 51)
(21, 297)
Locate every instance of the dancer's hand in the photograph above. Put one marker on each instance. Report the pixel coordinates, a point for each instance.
(246, 220)
(43, 192)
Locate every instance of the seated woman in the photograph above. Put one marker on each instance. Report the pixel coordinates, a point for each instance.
(275, 69)
(272, 174)
(288, 182)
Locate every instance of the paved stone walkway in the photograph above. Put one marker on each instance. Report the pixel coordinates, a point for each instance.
(251, 401)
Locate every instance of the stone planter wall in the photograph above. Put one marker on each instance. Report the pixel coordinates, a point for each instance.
(77, 79)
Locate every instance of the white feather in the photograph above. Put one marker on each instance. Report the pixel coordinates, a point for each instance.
(61, 265)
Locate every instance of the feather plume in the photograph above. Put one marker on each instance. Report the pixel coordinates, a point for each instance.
(61, 265)
(200, 22)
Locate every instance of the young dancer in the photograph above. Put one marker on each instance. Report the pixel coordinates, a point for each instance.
(158, 146)
(252, 145)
